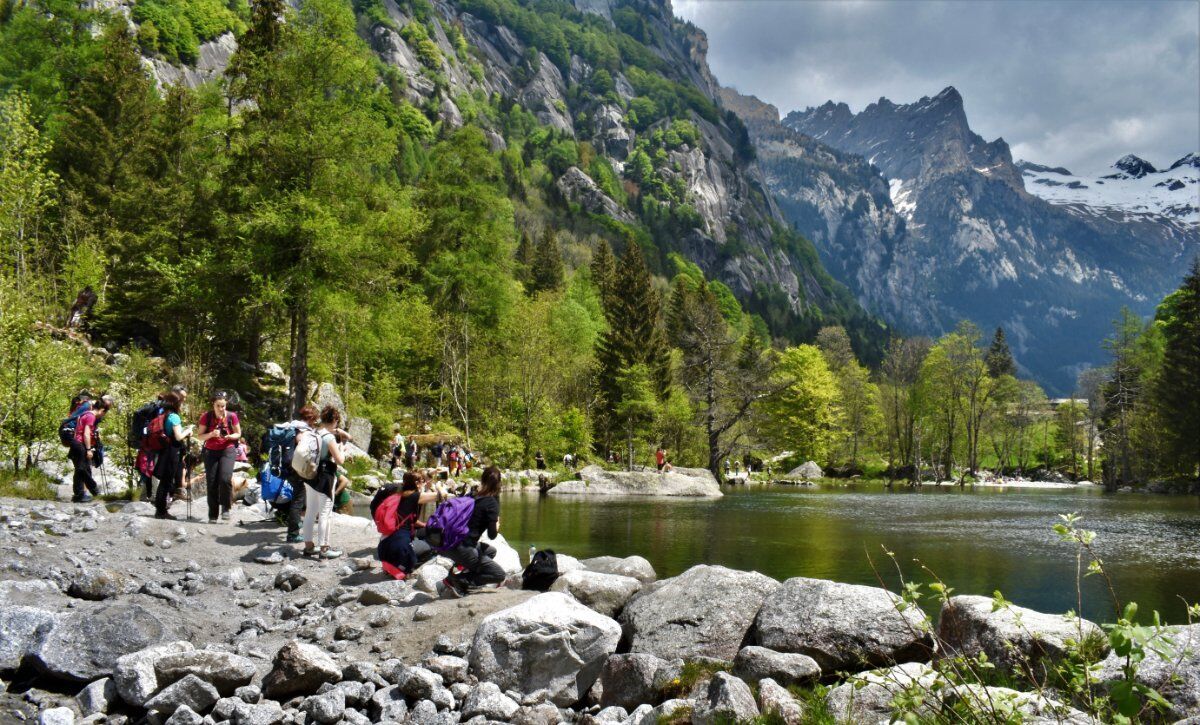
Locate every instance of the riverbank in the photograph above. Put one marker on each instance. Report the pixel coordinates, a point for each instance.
(263, 636)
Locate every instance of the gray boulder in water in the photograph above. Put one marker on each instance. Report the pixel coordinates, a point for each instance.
(596, 481)
(1016, 639)
(808, 471)
(550, 643)
(704, 612)
(85, 646)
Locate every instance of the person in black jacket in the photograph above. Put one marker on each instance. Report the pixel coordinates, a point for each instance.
(474, 558)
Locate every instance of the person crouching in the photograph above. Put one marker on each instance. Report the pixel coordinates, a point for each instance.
(397, 517)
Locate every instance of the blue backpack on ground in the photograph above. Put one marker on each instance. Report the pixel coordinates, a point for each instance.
(450, 523)
(278, 443)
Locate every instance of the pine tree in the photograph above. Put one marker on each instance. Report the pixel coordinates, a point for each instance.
(547, 263)
(1177, 387)
(634, 336)
(999, 358)
(604, 271)
(523, 269)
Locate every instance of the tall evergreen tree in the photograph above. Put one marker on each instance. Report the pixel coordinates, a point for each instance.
(547, 263)
(1177, 387)
(604, 271)
(999, 358)
(635, 335)
(523, 269)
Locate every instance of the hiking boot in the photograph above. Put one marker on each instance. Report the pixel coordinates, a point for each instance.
(164, 515)
(212, 521)
(330, 553)
(295, 539)
(226, 516)
(85, 498)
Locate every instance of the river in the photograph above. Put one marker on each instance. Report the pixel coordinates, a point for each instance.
(976, 541)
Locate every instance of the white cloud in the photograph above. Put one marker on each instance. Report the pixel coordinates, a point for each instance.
(1069, 82)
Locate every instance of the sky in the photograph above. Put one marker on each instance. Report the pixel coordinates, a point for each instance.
(1071, 83)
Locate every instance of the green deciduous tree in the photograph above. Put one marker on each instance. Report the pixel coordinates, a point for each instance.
(799, 415)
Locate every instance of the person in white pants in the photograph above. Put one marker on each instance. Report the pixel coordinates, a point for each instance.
(319, 491)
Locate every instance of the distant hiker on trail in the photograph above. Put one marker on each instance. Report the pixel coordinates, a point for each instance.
(320, 481)
(220, 431)
(436, 452)
(410, 454)
(168, 435)
(398, 449)
(84, 445)
(660, 459)
(475, 559)
(396, 511)
(540, 461)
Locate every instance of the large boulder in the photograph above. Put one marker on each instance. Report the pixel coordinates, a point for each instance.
(20, 628)
(606, 593)
(633, 566)
(135, 675)
(299, 669)
(759, 663)
(1019, 641)
(1176, 676)
(98, 583)
(506, 556)
(596, 481)
(729, 700)
(629, 680)
(487, 701)
(704, 612)
(1024, 707)
(809, 471)
(548, 644)
(83, 646)
(191, 691)
(867, 697)
(327, 394)
(842, 626)
(223, 670)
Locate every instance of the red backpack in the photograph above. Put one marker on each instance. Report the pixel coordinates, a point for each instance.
(156, 434)
(387, 515)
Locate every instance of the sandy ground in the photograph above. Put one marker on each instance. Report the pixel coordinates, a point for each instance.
(226, 598)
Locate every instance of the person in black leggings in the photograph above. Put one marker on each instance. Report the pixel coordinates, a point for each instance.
(475, 558)
(168, 469)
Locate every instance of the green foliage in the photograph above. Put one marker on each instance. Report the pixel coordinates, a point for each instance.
(800, 416)
(174, 29)
(417, 37)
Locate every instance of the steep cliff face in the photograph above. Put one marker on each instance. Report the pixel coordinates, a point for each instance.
(450, 54)
(957, 236)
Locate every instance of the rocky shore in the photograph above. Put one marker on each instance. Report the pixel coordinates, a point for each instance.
(113, 616)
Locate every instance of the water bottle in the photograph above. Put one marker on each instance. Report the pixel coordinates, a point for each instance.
(532, 549)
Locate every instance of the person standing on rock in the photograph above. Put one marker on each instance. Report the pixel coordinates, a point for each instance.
(475, 559)
(220, 431)
(83, 450)
(318, 492)
(660, 459)
(168, 469)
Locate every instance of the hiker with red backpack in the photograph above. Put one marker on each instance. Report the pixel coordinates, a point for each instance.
(220, 431)
(396, 511)
(139, 439)
(167, 435)
(475, 560)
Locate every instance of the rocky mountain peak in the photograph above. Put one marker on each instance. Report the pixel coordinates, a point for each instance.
(747, 107)
(1192, 159)
(1135, 166)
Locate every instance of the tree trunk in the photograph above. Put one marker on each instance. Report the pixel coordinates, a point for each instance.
(298, 379)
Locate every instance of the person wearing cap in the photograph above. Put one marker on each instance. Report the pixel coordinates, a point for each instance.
(219, 431)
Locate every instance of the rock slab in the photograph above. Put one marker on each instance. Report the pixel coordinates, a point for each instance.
(596, 481)
(299, 669)
(549, 643)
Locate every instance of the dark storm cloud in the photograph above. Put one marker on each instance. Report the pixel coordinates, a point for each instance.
(1070, 82)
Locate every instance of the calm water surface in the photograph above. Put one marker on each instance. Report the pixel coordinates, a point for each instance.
(977, 541)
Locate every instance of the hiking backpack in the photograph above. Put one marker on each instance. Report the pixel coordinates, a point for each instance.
(541, 572)
(385, 510)
(139, 423)
(66, 429)
(279, 445)
(450, 523)
(156, 434)
(307, 456)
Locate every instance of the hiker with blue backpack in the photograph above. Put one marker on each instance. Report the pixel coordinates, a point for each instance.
(455, 529)
(79, 432)
(280, 485)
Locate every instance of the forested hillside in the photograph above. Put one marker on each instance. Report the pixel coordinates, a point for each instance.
(470, 213)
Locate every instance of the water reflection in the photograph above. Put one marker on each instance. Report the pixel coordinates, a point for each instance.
(975, 541)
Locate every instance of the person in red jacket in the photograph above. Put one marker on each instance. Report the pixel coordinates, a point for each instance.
(83, 450)
(220, 431)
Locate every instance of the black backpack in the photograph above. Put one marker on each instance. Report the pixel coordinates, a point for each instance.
(66, 429)
(139, 423)
(541, 572)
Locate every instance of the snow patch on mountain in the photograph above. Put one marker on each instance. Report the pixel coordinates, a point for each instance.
(902, 199)
(1135, 190)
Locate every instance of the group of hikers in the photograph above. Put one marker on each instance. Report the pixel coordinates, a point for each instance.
(300, 475)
